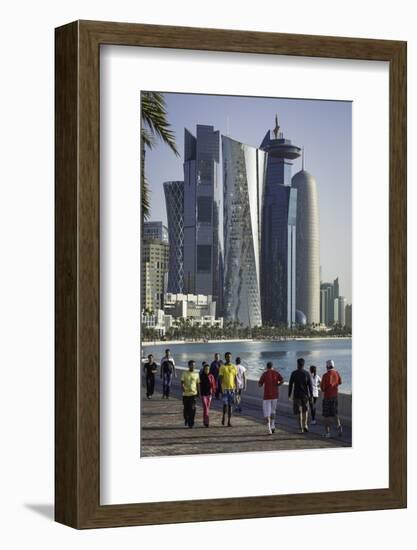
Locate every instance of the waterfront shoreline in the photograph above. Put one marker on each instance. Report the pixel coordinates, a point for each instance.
(234, 340)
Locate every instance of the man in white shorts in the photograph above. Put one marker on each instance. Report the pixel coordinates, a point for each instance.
(270, 380)
(240, 383)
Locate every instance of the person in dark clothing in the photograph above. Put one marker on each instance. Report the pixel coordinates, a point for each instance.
(150, 369)
(207, 389)
(214, 370)
(300, 390)
(167, 372)
(203, 366)
(190, 383)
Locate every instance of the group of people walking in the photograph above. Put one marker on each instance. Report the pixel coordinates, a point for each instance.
(225, 379)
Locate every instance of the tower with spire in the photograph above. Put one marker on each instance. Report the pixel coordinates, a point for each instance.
(278, 241)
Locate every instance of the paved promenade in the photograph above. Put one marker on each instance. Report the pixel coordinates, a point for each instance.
(163, 432)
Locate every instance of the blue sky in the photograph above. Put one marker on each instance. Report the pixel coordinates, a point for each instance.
(324, 128)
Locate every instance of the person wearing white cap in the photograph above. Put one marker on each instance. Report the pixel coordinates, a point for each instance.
(330, 387)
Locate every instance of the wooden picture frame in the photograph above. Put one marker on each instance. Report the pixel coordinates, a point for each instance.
(77, 382)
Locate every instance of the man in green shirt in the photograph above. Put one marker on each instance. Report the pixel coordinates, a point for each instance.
(190, 383)
(227, 376)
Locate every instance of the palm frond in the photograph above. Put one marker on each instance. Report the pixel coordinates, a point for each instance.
(154, 125)
(154, 119)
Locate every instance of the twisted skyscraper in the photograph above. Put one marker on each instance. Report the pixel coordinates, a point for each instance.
(243, 186)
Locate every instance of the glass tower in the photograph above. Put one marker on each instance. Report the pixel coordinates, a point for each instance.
(243, 186)
(278, 258)
(174, 199)
(203, 266)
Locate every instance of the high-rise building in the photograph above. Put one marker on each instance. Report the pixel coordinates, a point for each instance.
(336, 291)
(278, 254)
(341, 311)
(326, 304)
(155, 230)
(202, 250)
(348, 316)
(174, 199)
(155, 257)
(336, 311)
(243, 184)
(307, 247)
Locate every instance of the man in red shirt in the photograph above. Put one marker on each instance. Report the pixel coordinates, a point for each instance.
(330, 387)
(270, 380)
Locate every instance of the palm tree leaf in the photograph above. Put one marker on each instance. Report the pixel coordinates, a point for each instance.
(154, 124)
(154, 118)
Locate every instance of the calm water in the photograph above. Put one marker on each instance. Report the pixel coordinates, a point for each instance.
(255, 355)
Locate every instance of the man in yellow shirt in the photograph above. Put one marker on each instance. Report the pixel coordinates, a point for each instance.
(190, 383)
(227, 375)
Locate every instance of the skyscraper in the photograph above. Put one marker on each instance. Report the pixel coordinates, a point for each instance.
(336, 291)
(326, 303)
(202, 250)
(307, 246)
(174, 199)
(155, 254)
(341, 311)
(348, 316)
(243, 184)
(278, 256)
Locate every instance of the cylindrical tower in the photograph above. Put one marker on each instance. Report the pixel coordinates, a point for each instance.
(307, 247)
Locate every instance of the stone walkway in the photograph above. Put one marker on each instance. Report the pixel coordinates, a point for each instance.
(163, 432)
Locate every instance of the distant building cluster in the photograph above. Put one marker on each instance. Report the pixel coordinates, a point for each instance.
(196, 310)
(246, 251)
(333, 308)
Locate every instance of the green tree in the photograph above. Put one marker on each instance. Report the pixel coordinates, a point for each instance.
(155, 126)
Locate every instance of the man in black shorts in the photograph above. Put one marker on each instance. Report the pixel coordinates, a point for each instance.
(300, 389)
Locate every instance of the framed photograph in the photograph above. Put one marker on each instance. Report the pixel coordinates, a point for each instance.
(230, 274)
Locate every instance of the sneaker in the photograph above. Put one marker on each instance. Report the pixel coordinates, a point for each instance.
(300, 430)
(270, 431)
(223, 421)
(273, 430)
(306, 428)
(229, 424)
